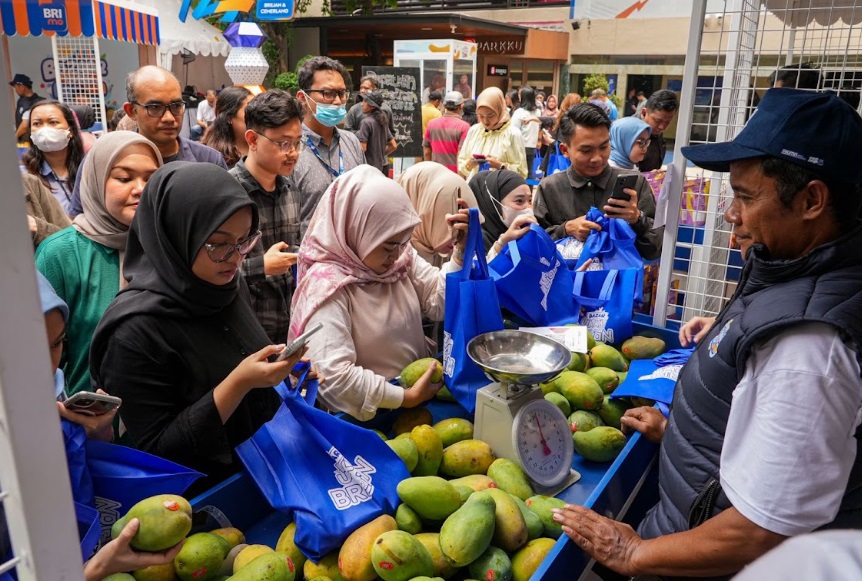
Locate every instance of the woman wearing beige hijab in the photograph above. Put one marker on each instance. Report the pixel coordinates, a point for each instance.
(84, 262)
(360, 277)
(434, 191)
(493, 141)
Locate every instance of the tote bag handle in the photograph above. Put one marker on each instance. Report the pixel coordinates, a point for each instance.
(604, 295)
(287, 392)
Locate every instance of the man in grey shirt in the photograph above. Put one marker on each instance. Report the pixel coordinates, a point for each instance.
(328, 151)
(355, 115)
(563, 199)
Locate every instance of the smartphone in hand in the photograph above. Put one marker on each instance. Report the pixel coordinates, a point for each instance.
(298, 343)
(92, 404)
(624, 182)
(479, 156)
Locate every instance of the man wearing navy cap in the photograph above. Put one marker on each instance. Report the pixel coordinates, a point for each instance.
(763, 439)
(26, 99)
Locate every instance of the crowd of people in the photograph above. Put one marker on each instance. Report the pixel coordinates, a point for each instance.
(182, 268)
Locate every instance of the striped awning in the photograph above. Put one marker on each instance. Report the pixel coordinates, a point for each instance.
(79, 18)
(117, 23)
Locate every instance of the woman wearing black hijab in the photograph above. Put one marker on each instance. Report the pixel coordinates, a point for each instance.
(180, 344)
(506, 203)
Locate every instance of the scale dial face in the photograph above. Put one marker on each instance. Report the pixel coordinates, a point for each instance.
(542, 440)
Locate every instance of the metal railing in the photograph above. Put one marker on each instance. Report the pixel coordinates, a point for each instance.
(340, 7)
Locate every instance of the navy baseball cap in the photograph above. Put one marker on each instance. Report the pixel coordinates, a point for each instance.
(817, 131)
(20, 79)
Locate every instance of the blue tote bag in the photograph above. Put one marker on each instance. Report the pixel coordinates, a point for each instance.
(123, 476)
(75, 443)
(330, 475)
(533, 281)
(613, 248)
(472, 308)
(606, 301)
(557, 162)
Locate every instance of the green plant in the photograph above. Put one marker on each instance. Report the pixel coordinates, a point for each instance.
(595, 81)
(302, 61)
(287, 82)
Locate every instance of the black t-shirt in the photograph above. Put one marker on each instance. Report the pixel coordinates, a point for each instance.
(655, 154)
(376, 137)
(24, 105)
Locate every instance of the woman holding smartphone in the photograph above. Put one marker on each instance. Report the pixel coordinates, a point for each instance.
(493, 140)
(180, 344)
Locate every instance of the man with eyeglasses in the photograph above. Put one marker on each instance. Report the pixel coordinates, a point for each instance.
(155, 103)
(659, 111)
(273, 123)
(327, 151)
(562, 200)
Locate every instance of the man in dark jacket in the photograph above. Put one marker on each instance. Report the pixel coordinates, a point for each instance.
(738, 473)
(659, 111)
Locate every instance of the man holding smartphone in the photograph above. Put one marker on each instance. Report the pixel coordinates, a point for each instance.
(563, 199)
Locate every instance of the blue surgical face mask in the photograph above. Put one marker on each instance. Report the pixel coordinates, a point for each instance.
(328, 115)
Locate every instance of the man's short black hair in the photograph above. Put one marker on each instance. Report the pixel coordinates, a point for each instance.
(845, 198)
(321, 63)
(272, 108)
(798, 76)
(663, 100)
(585, 115)
(435, 96)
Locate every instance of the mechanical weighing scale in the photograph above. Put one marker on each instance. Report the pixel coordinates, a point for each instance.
(512, 414)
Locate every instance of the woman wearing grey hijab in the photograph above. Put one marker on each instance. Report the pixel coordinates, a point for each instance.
(84, 262)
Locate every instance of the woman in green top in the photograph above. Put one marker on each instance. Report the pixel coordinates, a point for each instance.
(84, 262)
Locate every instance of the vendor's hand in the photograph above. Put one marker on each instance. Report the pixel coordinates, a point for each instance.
(459, 225)
(119, 557)
(31, 223)
(277, 261)
(423, 389)
(695, 330)
(580, 228)
(624, 209)
(519, 227)
(257, 370)
(611, 543)
(96, 427)
(648, 421)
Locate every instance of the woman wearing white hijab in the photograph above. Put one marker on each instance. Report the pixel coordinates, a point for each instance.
(84, 262)
(361, 278)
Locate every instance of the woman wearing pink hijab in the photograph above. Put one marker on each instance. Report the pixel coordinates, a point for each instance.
(361, 278)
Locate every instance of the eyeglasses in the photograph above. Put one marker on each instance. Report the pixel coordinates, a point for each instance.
(157, 110)
(222, 252)
(331, 94)
(643, 143)
(284, 146)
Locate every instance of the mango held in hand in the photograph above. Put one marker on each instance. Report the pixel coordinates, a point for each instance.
(286, 545)
(527, 560)
(200, 558)
(164, 520)
(606, 356)
(411, 374)
(492, 565)
(430, 449)
(267, 567)
(467, 533)
(465, 458)
(543, 505)
(354, 558)
(643, 348)
(430, 496)
(601, 444)
(398, 556)
(580, 389)
(509, 477)
(453, 430)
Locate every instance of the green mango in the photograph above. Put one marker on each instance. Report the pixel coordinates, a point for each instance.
(535, 528)
(453, 430)
(430, 449)
(411, 374)
(431, 541)
(119, 577)
(510, 528)
(611, 411)
(430, 496)
(601, 444)
(510, 477)
(467, 532)
(561, 402)
(579, 361)
(286, 545)
(164, 520)
(399, 556)
(493, 564)
(445, 395)
(201, 557)
(410, 418)
(607, 379)
(584, 421)
(526, 561)
(543, 505)
(642, 348)
(267, 567)
(406, 450)
(465, 492)
(407, 519)
(465, 458)
(580, 390)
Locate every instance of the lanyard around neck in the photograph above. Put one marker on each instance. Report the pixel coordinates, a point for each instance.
(316, 153)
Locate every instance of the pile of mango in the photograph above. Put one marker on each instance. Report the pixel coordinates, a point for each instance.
(582, 393)
(221, 554)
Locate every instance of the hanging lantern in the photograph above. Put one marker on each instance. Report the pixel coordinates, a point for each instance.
(245, 64)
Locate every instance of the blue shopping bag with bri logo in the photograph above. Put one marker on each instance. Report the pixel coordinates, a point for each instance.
(329, 475)
(472, 308)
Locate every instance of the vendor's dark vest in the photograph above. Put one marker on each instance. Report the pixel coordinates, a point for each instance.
(823, 286)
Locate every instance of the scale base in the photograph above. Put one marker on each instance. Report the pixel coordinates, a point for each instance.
(573, 477)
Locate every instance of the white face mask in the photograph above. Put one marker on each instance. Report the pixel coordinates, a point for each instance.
(49, 139)
(509, 214)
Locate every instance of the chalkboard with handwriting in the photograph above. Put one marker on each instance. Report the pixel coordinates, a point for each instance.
(401, 91)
